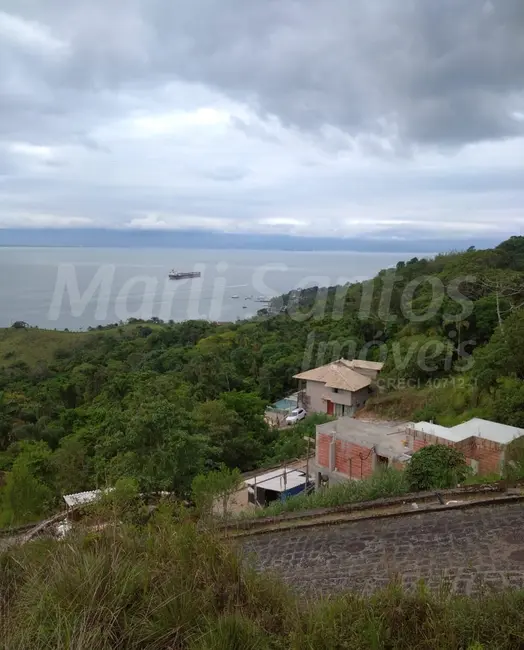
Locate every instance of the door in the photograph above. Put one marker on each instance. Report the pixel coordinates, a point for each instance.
(329, 407)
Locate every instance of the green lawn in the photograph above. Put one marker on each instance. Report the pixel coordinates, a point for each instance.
(33, 345)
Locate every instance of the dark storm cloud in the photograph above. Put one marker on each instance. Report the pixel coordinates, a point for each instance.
(438, 72)
(307, 116)
(425, 71)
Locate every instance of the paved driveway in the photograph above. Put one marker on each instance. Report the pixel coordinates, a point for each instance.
(465, 548)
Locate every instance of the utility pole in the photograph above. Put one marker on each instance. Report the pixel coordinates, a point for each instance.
(308, 440)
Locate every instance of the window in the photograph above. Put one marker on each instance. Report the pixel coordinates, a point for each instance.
(335, 390)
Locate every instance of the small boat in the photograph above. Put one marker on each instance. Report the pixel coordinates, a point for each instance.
(244, 306)
(234, 296)
(262, 299)
(248, 298)
(182, 275)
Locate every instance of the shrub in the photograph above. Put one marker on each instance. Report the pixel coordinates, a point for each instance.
(436, 466)
(514, 468)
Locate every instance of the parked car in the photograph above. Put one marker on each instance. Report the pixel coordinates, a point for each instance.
(295, 416)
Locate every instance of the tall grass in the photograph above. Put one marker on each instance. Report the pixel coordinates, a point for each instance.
(164, 586)
(387, 483)
(170, 586)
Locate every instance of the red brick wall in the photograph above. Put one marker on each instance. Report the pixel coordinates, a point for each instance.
(424, 439)
(487, 453)
(323, 444)
(348, 455)
(467, 447)
(353, 460)
(418, 444)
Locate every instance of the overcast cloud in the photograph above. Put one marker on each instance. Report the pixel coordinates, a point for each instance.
(402, 118)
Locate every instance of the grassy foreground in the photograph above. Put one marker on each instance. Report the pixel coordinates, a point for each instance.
(169, 586)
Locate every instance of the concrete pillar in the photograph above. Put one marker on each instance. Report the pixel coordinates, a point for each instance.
(332, 454)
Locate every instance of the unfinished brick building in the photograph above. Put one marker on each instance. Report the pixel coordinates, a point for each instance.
(348, 448)
(482, 442)
(351, 448)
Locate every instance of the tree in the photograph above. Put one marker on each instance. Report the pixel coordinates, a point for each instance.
(506, 286)
(36, 456)
(503, 356)
(436, 466)
(220, 485)
(418, 358)
(19, 325)
(513, 252)
(514, 467)
(72, 466)
(236, 428)
(485, 318)
(509, 403)
(151, 442)
(24, 497)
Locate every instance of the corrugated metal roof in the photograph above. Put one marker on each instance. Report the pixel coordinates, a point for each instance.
(275, 480)
(432, 429)
(81, 498)
(486, 429)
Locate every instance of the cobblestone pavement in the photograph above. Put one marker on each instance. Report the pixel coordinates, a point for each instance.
(467, 549)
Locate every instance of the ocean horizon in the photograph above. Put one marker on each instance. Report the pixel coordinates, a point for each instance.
(79, 287)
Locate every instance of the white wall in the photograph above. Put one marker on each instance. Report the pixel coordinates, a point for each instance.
(315, 390)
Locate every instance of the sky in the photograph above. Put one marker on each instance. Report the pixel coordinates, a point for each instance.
(392, 119)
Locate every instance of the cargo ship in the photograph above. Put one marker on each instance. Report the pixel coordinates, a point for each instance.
(182, 275)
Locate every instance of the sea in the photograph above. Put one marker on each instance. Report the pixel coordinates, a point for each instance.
(77, 288)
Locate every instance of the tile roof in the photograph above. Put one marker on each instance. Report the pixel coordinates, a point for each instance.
(337, 375)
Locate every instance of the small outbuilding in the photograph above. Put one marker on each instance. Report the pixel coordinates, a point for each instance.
(277, 485)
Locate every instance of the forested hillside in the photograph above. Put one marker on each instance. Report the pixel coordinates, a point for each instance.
(162, 402)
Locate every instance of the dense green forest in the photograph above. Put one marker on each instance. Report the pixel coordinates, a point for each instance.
(162, 402)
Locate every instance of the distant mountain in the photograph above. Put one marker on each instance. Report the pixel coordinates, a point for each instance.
(94, 237)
